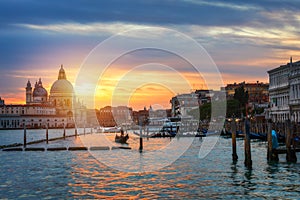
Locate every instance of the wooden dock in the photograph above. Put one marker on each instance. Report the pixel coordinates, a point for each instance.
(75, 148)
(284, 150)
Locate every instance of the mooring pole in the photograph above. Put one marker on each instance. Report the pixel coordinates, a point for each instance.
(248, 161)
(141, 138)
(233, 128)
(147, 133)
(24, 142)
(47, 139)
(64, 135)
(76, 132)
(270, 145)
(290, 153)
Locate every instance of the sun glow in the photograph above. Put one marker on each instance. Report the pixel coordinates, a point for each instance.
(143, 86)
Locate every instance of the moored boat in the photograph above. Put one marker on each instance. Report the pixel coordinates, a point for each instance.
(121, 139)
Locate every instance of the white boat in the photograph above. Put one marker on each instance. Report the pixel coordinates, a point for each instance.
(108, 129)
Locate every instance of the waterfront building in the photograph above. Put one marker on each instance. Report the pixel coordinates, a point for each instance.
(58, 110)
(258, 92)
(115, 116)
(285, 92)
(141, 117)
(106, 118)
(92, 117)
(183, 103)
(31, 116)
(294, 81)
(204, 96)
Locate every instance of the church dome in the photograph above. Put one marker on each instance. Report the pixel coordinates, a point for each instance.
(40, 92)
(61, 85)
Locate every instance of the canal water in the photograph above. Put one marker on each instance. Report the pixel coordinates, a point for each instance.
(79, 175)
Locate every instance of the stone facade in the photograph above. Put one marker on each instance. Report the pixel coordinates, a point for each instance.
(285, 92)
(115, 116)
(183, 103)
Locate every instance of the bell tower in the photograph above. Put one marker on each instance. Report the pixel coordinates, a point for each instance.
(28, 93)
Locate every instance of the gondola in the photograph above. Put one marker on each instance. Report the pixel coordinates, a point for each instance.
(121, 139)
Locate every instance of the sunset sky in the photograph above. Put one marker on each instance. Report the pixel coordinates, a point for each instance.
(243, 38)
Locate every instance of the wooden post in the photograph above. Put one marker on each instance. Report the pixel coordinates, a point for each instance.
(270, 145)
(141, 138)
(147, 133)
(256, 127)
(76, 132)
(290, 153)
(64, 135)
(233, 128)
(288, 142)
(47, 138)
(24, 142)
(141, 141)
(248, 161)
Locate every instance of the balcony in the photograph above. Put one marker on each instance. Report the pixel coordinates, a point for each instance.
(280, 108)
(294, 102)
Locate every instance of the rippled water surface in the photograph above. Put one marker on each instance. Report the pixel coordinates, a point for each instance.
(75, 174)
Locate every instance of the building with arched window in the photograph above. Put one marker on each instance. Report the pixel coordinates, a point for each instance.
(285, 92)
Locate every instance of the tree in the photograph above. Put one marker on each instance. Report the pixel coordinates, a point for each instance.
(232, 109)
(242, 97)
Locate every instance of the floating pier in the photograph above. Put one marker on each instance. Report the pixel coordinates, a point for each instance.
(75, 148)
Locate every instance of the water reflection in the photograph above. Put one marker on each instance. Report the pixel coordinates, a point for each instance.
(272, 168)
(77, 175)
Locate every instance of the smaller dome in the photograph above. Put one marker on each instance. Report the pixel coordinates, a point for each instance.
(40, 92)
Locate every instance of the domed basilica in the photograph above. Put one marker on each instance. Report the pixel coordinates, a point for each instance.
(61, 97)
(59, 109)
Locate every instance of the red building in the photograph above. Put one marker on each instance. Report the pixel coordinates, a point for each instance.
(115, 116)
(258, 92)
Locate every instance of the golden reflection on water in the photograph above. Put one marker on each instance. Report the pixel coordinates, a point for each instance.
(92, 179)
(77, 175)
